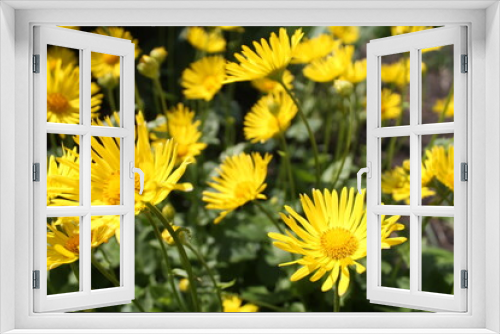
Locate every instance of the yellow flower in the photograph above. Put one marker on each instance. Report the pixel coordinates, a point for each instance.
(63, 95)
(266, 85)
(391, 104)
(440, 161)
(184, 285)
(330, 237)
(271, 115)
(63, 239)
(157, 163)
(183, 129)
(233, 304)
(355, 72)
(348, 35)
(399, 30)
(232, 28)
(159, 53)
(63, 180)
(396, 182)
(314, 48)
(438, 107)
(204, 78)
(330, 68)
(269, 60)
(398, 72)
(149, 67)
(209, 41)
(67, 56)
(106, 67)
(241, 179)
(167, 237)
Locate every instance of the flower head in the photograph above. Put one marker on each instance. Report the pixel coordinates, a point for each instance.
(391, 104)
(183, 129)
(241, 179)
(439, 107)
(398, 72)
(63, 94)
(265, 85)
(355, 72)
(330, 237)
(234, 304)
(347, 34)
(149, 67)
(314, 48)
(330, 68)
(63, 179)
(67, 57)
(210, 41)
(269, 60)
(204, 78)
(440, 161)
(270, 116)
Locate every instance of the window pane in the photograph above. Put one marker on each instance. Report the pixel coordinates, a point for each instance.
(395, 94)
(437, 254)
(63, 85)
(105, 171)
(105, 250)
(395, 170)
(395, 253)
(63, 170)
(438, 170)
(63, 253)
(437, 85)
(105, 85)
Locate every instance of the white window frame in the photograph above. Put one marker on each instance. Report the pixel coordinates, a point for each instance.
(85, 43)
(484, 103)
(412, 43)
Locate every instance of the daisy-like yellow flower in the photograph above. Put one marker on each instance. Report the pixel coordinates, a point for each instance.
(438, 107)
(66, 55)
(314, 48)
(267, 86)
(241, 179)
(234, 304)
(106, 67)
(157, 163)
(63, 243)
(63, 179)
(269, 60)
(63, 94)
(348, 35)
(398, 72)
(183, 129)
(441, 162)
(330, 237)
(355, 72)
(232, 28)
(270, 116)
(391, 104)
(210, 41)
(396, 182)
(204, 78)
(330, 68)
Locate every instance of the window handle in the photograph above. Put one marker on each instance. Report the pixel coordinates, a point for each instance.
(368, 171)
(134, 170)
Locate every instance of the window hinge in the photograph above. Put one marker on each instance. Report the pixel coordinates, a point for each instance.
(36, 172)
(36, 63)
(464, 172)
(464, 279)
(465, 64)
(36, 279)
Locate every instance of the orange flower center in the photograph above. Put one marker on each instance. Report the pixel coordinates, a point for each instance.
(73, 244)
(56, 102)
(111, 191)
(338, 243)
(110, 59)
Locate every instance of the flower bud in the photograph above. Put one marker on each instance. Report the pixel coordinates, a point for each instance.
(184, 285)
(108, 81)
(343, 87)
(159, 54)
(168, 211)
(149, 67)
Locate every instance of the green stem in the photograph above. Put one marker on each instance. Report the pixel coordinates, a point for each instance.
(341, 131)
(167, 263)
(138, 100)
(209, 272)
(346, 149)
(269, 215)
(204, 113)
(113, 280)
(75, 270)
(111, 99)
(161, 94)
(336, 297)
(288, 163)
(182, 253)
(309, 131)
(328, 129)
